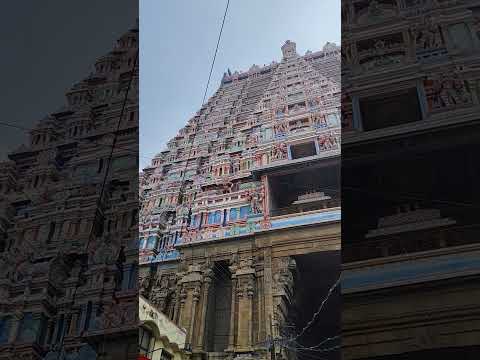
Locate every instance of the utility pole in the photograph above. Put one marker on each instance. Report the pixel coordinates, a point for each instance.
(272, 346)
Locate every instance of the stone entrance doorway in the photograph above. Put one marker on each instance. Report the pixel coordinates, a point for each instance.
(218, 308)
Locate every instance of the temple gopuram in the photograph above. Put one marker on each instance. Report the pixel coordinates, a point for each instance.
(69, 223)
(240, 214)
(410, 195)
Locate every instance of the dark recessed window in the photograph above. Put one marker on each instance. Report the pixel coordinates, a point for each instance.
(390, 109)
(303, 150)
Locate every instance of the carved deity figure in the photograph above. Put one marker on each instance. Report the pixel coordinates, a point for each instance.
(246, 263)
(314, 102)
(283, 277)
(163, 283)
(327, 142)
(429, 38)
(449, 90)
(112, 317)
(254, 138)
(256, 202)
(280, 129)
(381, 54)
(279, 151)
(258, 159)
(319, 120)
(236, 166)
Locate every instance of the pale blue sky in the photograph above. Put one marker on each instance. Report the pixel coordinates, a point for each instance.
(177, 41)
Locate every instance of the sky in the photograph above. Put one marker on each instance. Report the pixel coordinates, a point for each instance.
(47, 46)
(177, 42)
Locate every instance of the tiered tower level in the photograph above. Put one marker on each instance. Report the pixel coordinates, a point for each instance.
(410, 132)
(68, 250)
(205, 185)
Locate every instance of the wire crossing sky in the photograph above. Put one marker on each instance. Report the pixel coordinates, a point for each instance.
(177, 41)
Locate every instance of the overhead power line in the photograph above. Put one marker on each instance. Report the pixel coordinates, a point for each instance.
(183, 182)
(15, 126)
(317, 313)
(192, 140)
(216, 50)
(102, 190)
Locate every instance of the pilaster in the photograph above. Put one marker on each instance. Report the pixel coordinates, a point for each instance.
(189, 298)
(245, 290)
(207, 281)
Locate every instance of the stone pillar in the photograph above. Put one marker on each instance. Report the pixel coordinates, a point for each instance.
(231, 335)
(193, 317)
(178, 302)
(259, 332)
(284, 269)
(266, 196)
(245, 288)
(268, 290)
(207, 280)
(181, 308)
(190, 296)
(250, 291)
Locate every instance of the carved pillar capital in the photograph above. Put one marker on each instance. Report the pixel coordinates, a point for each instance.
(245, 285)
(196, 293)
(183, 295)
(284, 272)
(208, 276)
(250, 289)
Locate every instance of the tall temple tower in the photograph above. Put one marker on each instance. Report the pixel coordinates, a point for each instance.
(68, 247)
(242, 210)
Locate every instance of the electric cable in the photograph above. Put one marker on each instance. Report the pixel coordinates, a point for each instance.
(317, 313)
(183, 182)
(321, 343)
(181, 192)
(102, 190)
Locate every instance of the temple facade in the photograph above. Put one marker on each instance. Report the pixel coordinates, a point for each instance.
(410, 109)
(243, 206)
(68, 233)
